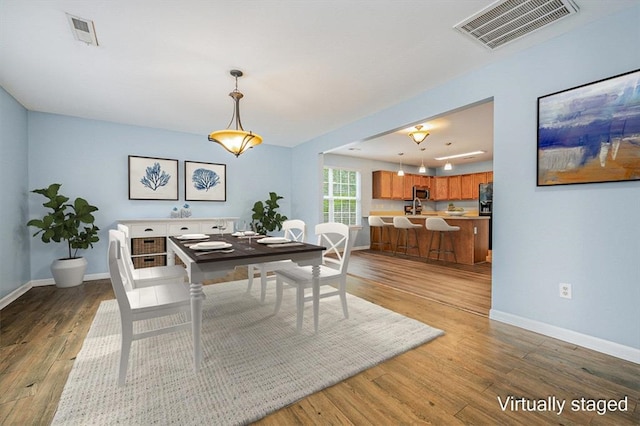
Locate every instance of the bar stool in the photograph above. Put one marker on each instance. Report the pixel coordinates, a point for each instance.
(439, 225)
(376, 222)
(403, 224)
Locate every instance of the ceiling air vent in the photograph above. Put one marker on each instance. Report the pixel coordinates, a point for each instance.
(507, 20)
(83, 30)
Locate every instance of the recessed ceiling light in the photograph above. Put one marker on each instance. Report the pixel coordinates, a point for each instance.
(459, 155)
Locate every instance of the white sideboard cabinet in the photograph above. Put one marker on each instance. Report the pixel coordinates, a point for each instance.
(147, 238)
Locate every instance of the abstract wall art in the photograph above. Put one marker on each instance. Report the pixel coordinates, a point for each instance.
(205, 181)
(590, 133)
(153, 178)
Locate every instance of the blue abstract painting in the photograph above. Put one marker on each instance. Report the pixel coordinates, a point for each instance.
(590, 133)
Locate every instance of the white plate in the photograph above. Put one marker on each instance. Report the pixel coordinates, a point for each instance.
(192, 236)
(455, 213)
(238, 234)
(211, 245)
(273, 240)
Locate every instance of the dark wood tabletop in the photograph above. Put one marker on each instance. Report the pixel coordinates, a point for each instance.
(243, 248)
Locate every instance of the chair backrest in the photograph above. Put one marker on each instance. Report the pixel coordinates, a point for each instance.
(376, 221)
(437, 224)
(402, 222)
(336, 238)
(124, 257)
(295, 229)
(115, 266)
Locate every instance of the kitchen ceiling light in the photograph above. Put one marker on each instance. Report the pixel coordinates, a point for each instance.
(235, 140)
(422, 168)
(448, 166)
(466, 154)
(418, 135)
(401, 172)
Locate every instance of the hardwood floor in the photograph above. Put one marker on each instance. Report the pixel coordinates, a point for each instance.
(455, 379)
(466, 287)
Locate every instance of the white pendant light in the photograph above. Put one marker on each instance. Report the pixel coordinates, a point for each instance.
(401, 172)
(235, 140)
(422, 168)
(448, 166)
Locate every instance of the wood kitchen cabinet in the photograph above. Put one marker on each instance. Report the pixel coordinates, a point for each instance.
(381, 184)
(455, 187)
(388, 185)
(466, 187)
(440, 188)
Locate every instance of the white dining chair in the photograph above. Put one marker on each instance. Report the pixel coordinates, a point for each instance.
(333, 270)
(154, 275)
(138, 304)
(295, 230)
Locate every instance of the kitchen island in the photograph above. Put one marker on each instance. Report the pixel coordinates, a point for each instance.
(471, 242)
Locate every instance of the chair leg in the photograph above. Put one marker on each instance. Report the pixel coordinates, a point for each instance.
(430, 244)
(343, 298)
(395, 251)
(299, 306)
(440, 238)
(250, 273)
(452, 249)
(278, 294)
(125, 349)
(415, 231)
(263, 283)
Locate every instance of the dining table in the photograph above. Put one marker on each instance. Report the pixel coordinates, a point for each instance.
(204, 264)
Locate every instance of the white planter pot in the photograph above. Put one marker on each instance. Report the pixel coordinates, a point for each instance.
(68, 272)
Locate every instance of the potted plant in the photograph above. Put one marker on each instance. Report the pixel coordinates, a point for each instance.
(265, 218)
(70, 222)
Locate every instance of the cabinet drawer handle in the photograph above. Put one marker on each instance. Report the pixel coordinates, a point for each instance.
(148, 260)
(148, 230)
(149, 241)
(184, 228)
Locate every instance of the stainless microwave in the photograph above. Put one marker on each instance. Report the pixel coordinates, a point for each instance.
(420, 192)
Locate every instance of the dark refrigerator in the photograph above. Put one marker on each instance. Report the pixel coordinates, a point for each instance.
(485, 205)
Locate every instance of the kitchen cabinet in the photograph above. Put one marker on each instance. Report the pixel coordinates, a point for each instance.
(455, 187)
(388, 185)
(381, 184)
(467, 183)
(440, 190)
(397, 187)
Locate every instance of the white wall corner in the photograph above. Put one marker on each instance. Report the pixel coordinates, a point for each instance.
(607, 347)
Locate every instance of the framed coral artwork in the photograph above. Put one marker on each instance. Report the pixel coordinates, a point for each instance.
(205, 181)
(153, 178)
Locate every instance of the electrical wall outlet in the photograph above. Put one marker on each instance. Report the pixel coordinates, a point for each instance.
(565, 290)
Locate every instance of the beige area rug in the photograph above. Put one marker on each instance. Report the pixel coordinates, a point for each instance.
(254, 361)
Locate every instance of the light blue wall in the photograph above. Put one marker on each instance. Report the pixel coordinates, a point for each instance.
(90, 159)
(14, 238)
(586, 235)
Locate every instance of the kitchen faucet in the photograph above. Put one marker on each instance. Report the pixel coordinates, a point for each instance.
(413, 210)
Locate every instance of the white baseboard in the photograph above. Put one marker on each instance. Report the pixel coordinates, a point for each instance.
(605, 346)
(15, 294)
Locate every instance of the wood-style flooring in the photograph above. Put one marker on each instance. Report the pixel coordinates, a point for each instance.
(455, 379)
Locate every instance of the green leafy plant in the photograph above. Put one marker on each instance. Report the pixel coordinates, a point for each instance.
(265, 217)
(70, 222)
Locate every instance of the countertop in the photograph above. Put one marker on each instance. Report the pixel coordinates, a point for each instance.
(425, 215)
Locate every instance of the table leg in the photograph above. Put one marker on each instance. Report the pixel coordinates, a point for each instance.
(197, 295)
(316, 295)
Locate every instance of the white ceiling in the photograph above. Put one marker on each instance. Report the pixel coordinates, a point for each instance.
(310, 66)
